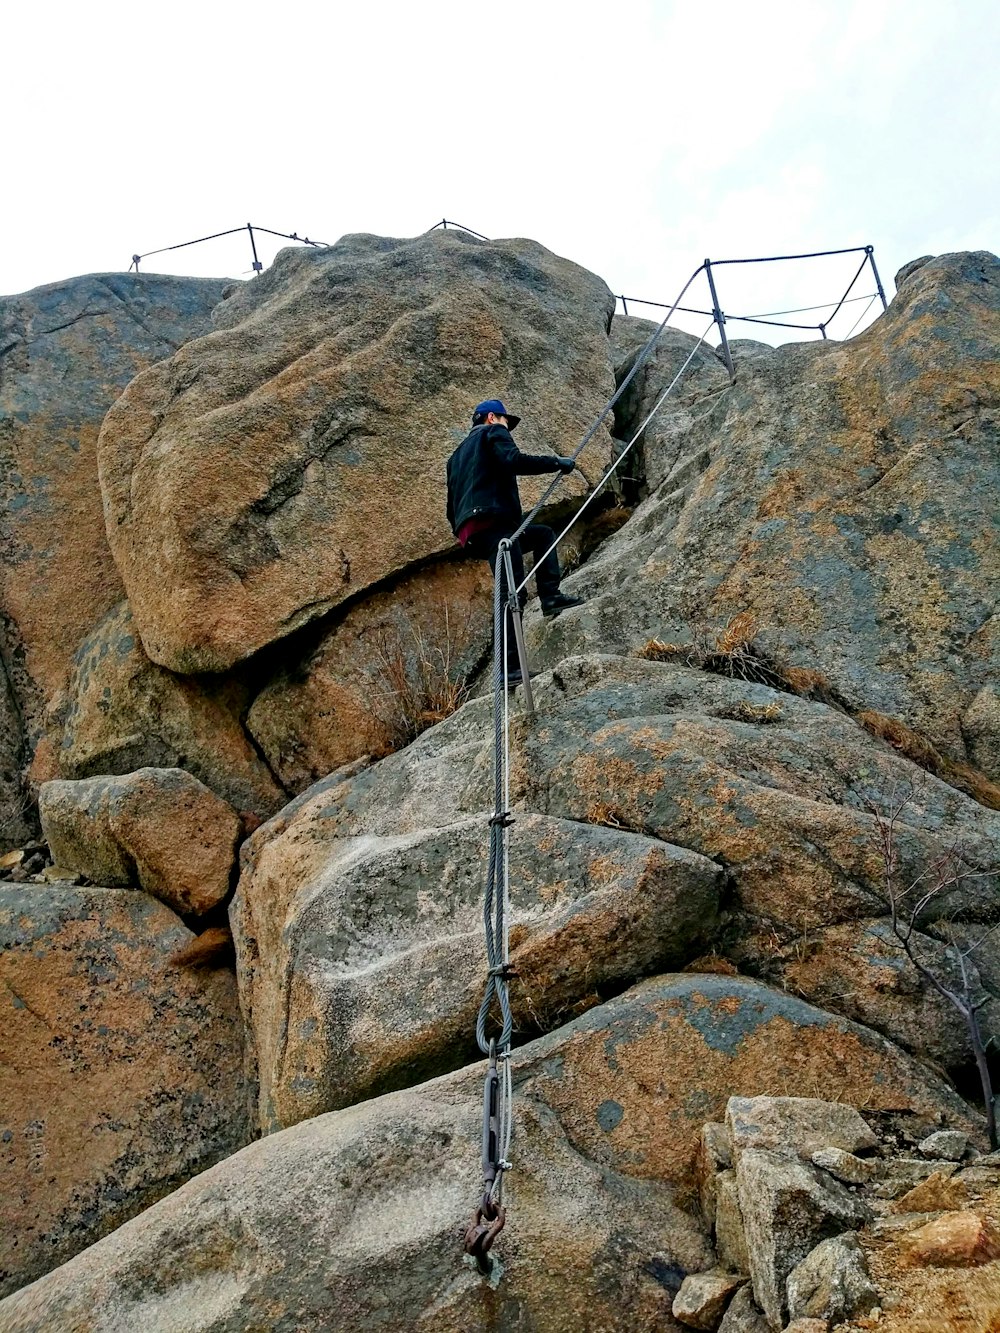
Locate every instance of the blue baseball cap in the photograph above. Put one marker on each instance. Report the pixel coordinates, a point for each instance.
(495, 406)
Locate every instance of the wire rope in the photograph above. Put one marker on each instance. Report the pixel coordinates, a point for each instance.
(640, 361)
(623, 455)
(813, 254)
(214, 237)
(861, 268)
(862, 315)
(802, 309)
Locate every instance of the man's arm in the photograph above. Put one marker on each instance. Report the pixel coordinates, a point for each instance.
(524, 465)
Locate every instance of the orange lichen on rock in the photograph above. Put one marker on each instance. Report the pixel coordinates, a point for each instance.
(954, 1240)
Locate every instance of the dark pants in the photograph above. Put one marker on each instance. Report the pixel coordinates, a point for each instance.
(536, 538)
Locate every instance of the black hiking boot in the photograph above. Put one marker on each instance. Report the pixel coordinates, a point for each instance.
(559, 601)
(515, 677)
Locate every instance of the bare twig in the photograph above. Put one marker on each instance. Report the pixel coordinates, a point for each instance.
(948, 868)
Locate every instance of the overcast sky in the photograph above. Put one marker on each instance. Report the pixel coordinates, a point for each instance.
(634, 137)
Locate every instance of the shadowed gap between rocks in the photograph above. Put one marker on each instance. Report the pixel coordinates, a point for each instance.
(290, 655)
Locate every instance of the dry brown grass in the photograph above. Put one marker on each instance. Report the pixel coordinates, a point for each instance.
(901, 738)
(973, 782)
(416, 683)
(759, 713)
(739, 634)
(712, 962)
(922, 752)
(655, 650)
(807, 683)
(736, 654)
(608, 815)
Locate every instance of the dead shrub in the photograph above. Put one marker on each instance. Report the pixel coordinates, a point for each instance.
(731, 653)
(415, 683)
(910, 901)
(17, 818)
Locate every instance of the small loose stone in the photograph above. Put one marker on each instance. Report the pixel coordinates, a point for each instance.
(844, 1165)
(703, 1297)
(955, 1240)
(951, 1144)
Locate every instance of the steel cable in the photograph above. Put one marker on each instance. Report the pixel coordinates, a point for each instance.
(802, 310)
(864, 312)
(861, 268)
(445, 223)
(494, 914)
(643, 356)
(813, 254)
(233, 231)
(622, 456)
(498, 1122)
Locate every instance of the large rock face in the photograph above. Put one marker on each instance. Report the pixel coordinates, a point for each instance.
(126, 713)
(273, 496)
(366, 972)
(828, 492)
(66, 352)
(295, 457)
(341, 974)
(353, 1220)
(395, 663)
(121, 1074)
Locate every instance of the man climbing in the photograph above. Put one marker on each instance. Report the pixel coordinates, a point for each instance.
(484, 507)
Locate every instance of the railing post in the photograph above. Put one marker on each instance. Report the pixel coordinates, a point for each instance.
(624, 306)
(878, 281)
(720, 319)
(822, 329)
(257, 265)
(135, 262)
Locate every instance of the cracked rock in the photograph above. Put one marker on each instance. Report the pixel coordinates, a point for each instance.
(787, 1209)
(831, 1282)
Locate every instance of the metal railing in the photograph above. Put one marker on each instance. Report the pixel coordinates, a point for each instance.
(248, 227)
(716, 313)
(721, 318)
(770, 318)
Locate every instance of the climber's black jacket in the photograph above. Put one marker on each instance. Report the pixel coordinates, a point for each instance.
(482, 476)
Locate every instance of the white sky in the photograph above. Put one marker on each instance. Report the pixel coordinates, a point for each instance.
(634, 137)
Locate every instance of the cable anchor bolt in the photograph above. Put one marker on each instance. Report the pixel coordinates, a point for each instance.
(483, 1230)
